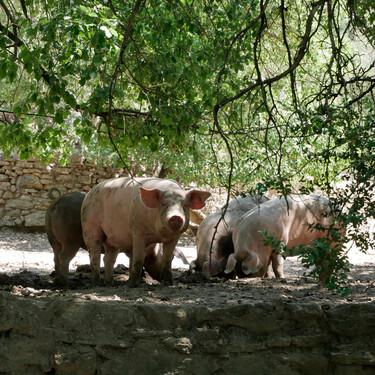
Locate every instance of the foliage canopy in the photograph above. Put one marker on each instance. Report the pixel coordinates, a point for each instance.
(252, 95)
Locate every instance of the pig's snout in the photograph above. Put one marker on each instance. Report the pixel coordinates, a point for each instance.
(176, 222)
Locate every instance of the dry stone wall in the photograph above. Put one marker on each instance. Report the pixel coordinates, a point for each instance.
(24, 186)
(83, 337)
(24, 189)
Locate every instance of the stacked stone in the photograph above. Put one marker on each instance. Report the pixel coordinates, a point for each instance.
(86, 335)
(24, 186)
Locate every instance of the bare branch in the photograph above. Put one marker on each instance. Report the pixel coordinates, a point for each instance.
(108, 117)
(297, 60)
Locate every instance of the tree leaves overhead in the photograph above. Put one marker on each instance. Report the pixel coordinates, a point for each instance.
(244, 90)
(252, 95)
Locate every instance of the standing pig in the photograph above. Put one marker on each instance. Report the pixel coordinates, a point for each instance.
(132, 214)
(64, 232)
(288, 221)
(222, 244)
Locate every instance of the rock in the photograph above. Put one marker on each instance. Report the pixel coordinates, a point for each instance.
(353, 357)
(345, 320)
(20, 203)
(258, 318)
(183, 344)
(84, 179)
(29, 182)
(78, 361)
(8, 195)
(4, 279)
(26, 278)
(36, 219)
(164, 315)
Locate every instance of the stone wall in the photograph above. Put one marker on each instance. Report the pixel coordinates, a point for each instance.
(24, 186)
(24, 189)
(77, 336)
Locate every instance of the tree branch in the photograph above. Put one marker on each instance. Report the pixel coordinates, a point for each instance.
(297, 59)
(108, 117)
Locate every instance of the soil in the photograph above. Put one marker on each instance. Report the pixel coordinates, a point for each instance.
(26, 268)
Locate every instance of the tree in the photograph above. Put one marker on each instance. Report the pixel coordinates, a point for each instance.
(251, 95)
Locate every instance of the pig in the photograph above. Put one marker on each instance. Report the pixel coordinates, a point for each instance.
(132, 214)
(288, 221)
(222, 244)
(64, 231)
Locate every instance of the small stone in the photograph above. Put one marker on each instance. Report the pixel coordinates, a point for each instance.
(183, 344)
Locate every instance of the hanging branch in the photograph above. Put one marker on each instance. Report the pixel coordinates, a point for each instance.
(108, 117)
(302, 50)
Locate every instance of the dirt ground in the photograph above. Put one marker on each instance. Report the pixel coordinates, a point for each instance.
(26, 266)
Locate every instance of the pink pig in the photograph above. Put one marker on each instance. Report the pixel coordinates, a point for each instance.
(288, 221)
(132, 214)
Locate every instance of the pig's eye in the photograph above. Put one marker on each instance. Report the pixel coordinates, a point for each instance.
(164, 204)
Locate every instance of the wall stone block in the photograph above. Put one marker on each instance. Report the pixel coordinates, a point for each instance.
(84, 179)
(63, 178)
(8, 195)
(11, 174)
(29, 182)
(19, 203)
(36, 219)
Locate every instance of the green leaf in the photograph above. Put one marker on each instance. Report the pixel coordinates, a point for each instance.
(18, 109)
(59, 116)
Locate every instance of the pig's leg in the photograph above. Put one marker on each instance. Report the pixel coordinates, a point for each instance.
(154, 261)
(269, 268)
(109, 262)
(66, 255)
(262, 272)
(131, 266)
(278, 265)
(57, 248)
(168, 252)
(94, 237)
(95, 252)
(137, 261)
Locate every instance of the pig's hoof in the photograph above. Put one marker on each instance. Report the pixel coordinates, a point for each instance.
(167, 278)
(133, 281)
(95, 279)
(109, 282)
(61, 281)
(61, 284)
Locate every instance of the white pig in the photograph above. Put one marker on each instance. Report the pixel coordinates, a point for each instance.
(132, 214)
(288, 221)
(221, 246)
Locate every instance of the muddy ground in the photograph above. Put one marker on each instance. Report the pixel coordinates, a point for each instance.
(26, 268)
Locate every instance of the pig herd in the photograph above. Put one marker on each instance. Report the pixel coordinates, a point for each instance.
(145, 217)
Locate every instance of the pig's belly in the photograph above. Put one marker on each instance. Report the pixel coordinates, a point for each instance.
(120, 238)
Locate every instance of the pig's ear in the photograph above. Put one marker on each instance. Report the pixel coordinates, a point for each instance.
(151, 198)
(231, 263)
(196, 198)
